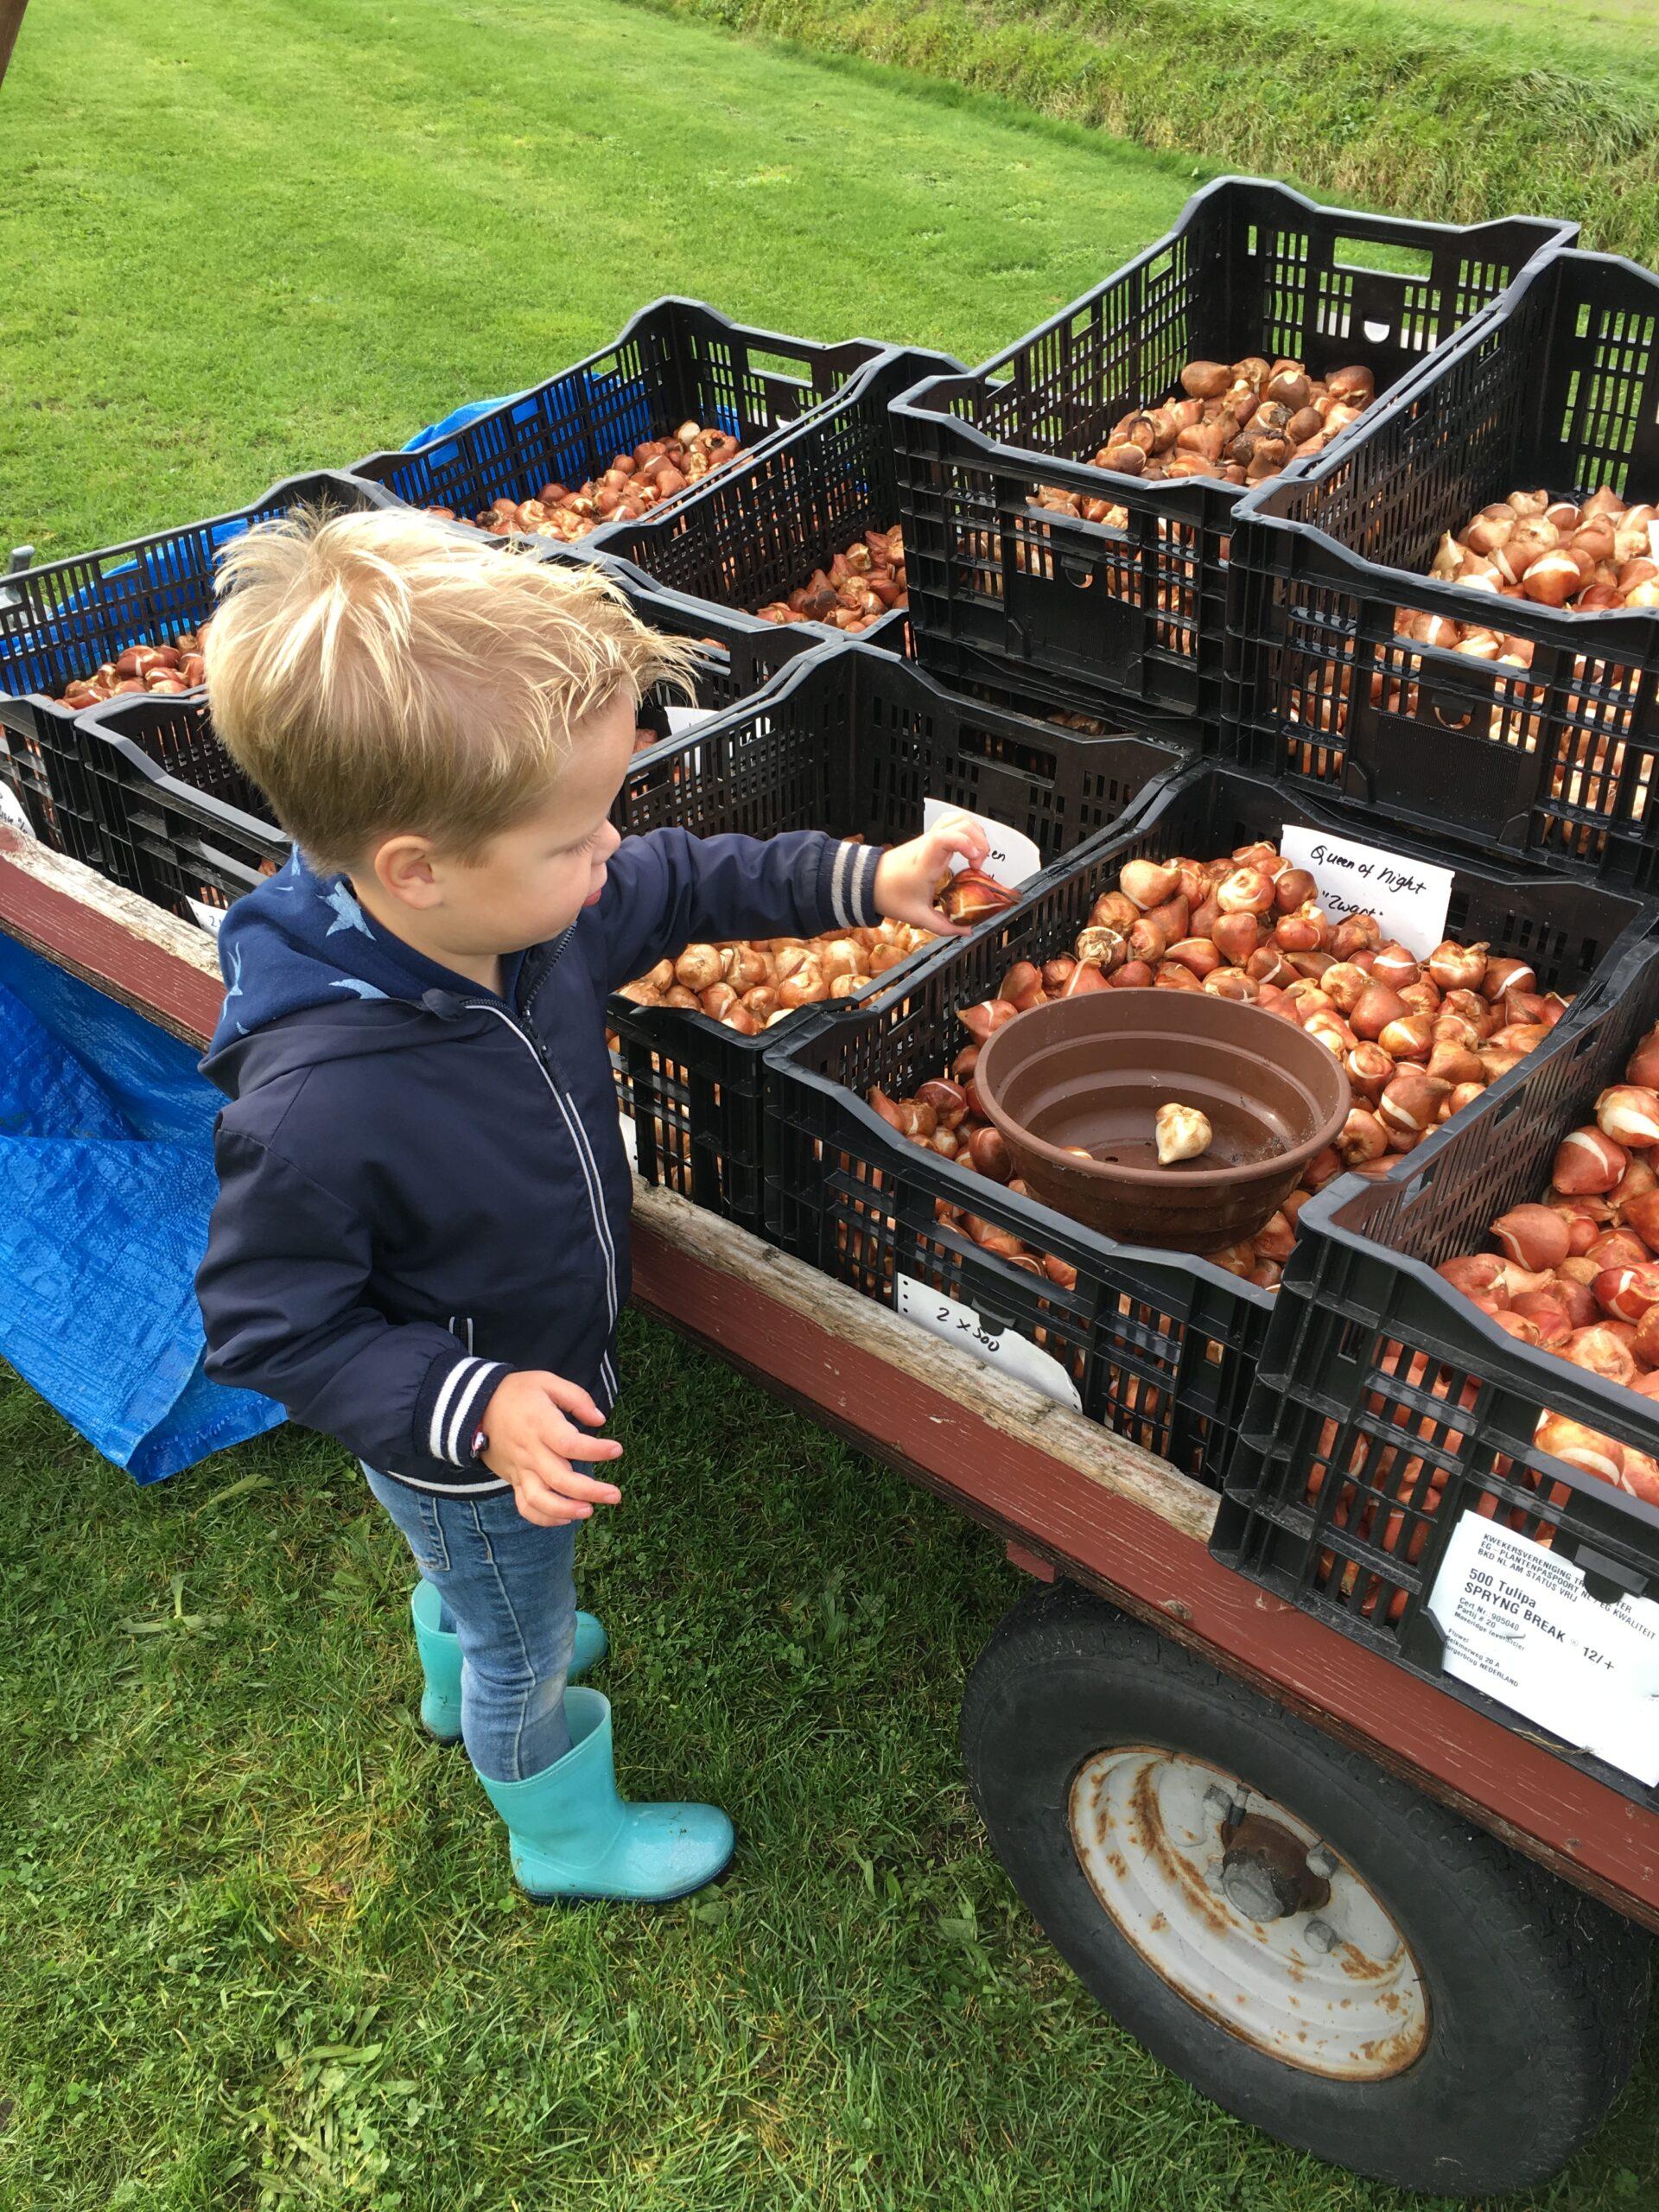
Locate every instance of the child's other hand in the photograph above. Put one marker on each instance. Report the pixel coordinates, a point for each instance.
(531, 1444)
(908, 876)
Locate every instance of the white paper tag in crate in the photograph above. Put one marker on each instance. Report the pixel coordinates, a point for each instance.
(957, 1324)
(1520, 1624)
(11, 807)
(682, 721)
(1408, 897)
(209, 917)
(1013, 857)
(630, 1141)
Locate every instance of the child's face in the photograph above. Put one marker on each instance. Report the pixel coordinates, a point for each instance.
(531, 882)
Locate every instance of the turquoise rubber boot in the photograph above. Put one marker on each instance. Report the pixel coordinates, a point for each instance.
(440, 1651)
(572, 1836)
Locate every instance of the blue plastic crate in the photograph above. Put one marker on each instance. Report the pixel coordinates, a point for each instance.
(62, 619)
(677, 360)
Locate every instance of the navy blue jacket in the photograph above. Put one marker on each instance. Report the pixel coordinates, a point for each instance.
(423, 1186)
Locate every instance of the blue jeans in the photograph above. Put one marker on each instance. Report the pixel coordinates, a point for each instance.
(509, 1597)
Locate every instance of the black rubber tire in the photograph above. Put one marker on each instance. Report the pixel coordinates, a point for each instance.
(1537, 1993)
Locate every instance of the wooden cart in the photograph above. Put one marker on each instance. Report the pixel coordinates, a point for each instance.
(1346, 1906)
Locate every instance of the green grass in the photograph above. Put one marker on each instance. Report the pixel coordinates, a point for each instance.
(1454, 111)
(261, 1946)
(231, 253)
(264, 1950)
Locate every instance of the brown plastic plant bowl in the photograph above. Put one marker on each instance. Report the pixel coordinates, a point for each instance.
(1093, 1070)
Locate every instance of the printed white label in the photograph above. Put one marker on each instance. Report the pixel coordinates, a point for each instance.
(1519, 1623)
(209, 917)
(1409, 898)
(1013, 855)
(682, 721)
(956, 1324)
(630, 1141)
(11, 807)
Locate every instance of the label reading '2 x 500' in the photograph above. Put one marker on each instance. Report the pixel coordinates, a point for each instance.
(956, 1324)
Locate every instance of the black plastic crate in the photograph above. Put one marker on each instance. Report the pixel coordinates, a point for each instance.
(1557, 388)
(171, 816)
(679, 359)
(1379, 1381)
(1160, 1346)
(1137, 613)
(852, 741)
(62, 619)
(753, 531)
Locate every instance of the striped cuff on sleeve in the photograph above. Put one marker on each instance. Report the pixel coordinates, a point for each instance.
(451, 1403)
(852, 885)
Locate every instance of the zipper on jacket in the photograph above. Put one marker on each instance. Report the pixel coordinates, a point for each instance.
(528, 1036)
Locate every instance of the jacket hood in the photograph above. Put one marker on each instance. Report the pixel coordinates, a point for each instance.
(309, 975)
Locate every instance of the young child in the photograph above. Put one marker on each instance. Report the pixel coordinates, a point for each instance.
(420, 1244)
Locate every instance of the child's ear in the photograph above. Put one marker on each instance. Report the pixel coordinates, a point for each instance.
(403, 868)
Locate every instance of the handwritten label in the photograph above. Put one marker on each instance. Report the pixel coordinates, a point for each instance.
(209, 917)
(1013, 857)
(956, 1324)
(1408, 897)
(1520, 1624)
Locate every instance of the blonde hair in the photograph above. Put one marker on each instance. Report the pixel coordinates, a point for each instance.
(378, 673)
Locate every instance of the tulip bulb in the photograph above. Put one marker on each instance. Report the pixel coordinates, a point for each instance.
(1629, 1113)
(1586, 1162)
(1395, 966)
(1411, 1105)
(982, 1021)
(1599, 1351)
(1548, 1314)
(1586, 1449)
(1534, 1236)
(1375, 1008)
(1246, 891)
(1472, 1271)
(1236, 936)
(1410, 1038)
(1457, 967)
(1362, 1138)
(1085, 977)
(1148, 883)
(1624, 1293)
(1359, 933)
(1344, 985)
(1502, 976)
(1618, 1248)
(1183, 1133)
(1369, 1070)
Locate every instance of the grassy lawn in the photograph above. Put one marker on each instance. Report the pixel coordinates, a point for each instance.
(240, 251)
(1460, 110)
(263, 1946)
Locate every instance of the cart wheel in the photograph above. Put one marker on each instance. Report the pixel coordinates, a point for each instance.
(1311, 1943)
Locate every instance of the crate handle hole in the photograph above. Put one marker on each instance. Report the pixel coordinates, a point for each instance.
(788, 366)
(1378, 259)
(1078, 574)
(1377, 332)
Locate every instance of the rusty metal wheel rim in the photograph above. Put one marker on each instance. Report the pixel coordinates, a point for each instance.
(1245, 1912)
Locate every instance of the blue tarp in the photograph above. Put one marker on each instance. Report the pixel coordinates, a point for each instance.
(106, 1178)
(468, 412)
